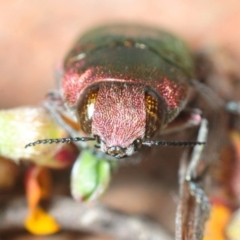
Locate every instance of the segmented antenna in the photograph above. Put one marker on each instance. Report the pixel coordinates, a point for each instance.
(85, 139)
(172, 143)
(60, 140)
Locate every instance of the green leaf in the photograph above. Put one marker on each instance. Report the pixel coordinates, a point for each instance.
(90, 176)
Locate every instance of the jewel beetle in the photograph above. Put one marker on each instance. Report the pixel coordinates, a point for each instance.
(124, 85)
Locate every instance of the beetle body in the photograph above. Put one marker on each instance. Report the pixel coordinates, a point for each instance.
(125, 84)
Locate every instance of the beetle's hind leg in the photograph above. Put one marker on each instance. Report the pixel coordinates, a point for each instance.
(218, 74)
(233, 107)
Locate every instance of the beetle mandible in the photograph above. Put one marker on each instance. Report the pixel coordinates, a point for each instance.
(125, 84)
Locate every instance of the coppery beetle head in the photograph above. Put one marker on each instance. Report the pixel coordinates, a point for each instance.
(120, 116)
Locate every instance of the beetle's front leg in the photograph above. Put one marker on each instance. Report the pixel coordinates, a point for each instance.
(54, 98)
(55, 106)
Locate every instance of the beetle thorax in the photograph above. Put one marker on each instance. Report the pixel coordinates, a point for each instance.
(119, 116)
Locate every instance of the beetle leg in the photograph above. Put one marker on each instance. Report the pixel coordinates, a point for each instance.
(186, 119)
(213, 99)
(194, 164)
(233, 107)
(54, 98)
(58, 113)
(193, 208)
(64, 121)
(191, 213)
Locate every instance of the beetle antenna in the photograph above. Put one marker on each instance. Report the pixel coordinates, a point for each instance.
(171, 143)
(60, 140)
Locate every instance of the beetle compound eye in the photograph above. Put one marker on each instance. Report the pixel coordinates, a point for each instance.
(85, 108)
(154, 114)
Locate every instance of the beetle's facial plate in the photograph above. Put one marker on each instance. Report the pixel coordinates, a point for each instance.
(119, 116)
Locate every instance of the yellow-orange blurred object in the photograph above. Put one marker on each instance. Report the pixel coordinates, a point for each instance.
(216, 225)
(38, 187)
(41, 223)
(233, 228)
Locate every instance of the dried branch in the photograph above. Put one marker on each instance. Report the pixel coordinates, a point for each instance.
(95, 218)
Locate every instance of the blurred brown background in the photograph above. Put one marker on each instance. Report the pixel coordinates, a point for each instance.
(35, 35)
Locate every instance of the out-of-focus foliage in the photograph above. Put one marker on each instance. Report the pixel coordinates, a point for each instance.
(90, 176)
(20, 126)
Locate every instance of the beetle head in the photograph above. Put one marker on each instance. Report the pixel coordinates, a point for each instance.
(120, 116)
